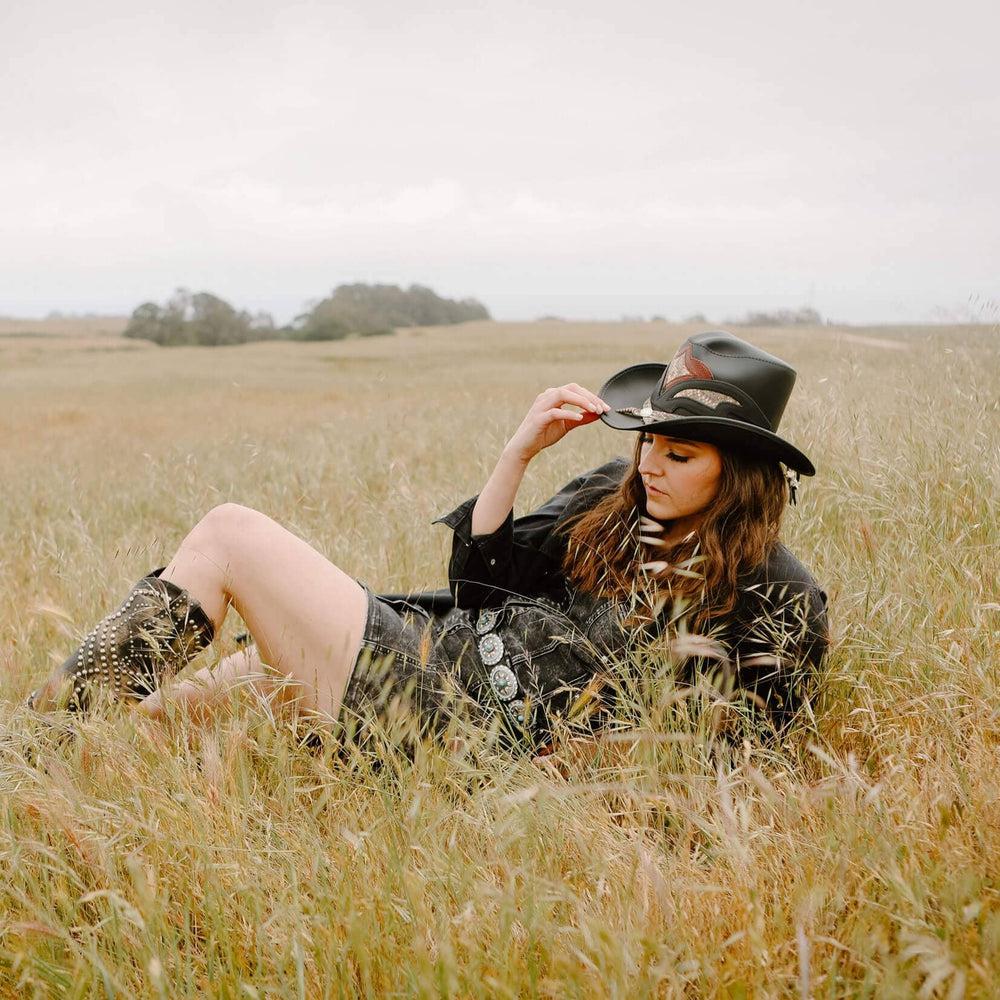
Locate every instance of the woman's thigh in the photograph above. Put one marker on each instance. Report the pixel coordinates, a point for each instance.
(306, 615)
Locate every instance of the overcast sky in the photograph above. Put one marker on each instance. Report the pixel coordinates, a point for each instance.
(589, 160)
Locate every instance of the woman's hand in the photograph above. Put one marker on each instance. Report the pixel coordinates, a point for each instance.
(547, 422)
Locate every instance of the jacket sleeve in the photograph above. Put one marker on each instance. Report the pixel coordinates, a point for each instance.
(777, 651)
(523, 555)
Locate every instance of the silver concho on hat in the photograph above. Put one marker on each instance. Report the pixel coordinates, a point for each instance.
(503, 681)
(491, 648)
(488, 617)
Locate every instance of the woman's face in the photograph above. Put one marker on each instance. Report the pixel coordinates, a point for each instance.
(681, 477)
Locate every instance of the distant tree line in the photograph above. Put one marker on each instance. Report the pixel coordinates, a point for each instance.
(780, 317)
(197, 318)
(804, 316)
(364, 310)
(374, 309)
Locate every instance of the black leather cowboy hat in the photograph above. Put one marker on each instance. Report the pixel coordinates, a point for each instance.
(717, 388)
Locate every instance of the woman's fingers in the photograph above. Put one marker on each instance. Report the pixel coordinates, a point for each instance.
(558, 413)
(547, 420)
(150, 706)
(568, 417)
(580, 399)
(599, 404)
(565, 394)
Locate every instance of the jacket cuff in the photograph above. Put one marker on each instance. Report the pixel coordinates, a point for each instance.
(460, 519)
(493, 545)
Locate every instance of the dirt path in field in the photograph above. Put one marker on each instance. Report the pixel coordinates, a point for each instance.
(860, 338)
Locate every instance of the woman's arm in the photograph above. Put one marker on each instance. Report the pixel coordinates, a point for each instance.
(490, 558)
(497, 498)
(545, 423)
(522, 555)
(779, 650)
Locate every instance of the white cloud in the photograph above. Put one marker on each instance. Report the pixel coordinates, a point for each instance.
(501, 150)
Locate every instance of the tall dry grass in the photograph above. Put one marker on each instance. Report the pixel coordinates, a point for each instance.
(75, 328)
(859, 859)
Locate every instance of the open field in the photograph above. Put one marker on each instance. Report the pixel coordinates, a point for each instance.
(862, 859)
(74, 327)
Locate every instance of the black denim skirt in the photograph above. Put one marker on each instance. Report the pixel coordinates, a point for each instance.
(510, 668)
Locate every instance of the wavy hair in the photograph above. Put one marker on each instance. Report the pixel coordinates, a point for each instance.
(613, 549)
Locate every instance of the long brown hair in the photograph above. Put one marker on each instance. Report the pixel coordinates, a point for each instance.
(612, 548)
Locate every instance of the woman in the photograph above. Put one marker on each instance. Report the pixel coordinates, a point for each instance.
(680, 541)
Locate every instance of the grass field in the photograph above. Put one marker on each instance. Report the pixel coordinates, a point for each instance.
(74, 328)
(862, 859)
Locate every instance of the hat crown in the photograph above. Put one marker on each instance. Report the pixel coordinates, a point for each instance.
(708, 364)
(718, 388)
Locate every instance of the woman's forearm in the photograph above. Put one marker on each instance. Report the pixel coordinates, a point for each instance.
(545, 423)
(497, 497)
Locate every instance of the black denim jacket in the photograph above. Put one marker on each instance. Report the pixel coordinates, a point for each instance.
(775, 637)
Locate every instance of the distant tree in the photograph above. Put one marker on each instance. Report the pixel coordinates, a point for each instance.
(372, 309)
(214, 322)
(200, 318)
(205, 319)
(145, 323)
(805, 316)
(698, 318)
(173, 321)
(320, 326)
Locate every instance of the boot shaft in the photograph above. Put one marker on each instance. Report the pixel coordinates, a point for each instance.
(157, 630)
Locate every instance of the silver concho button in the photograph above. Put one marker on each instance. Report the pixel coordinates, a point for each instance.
(504, 682)
(486, 620)
(516, 709)
(491, 648)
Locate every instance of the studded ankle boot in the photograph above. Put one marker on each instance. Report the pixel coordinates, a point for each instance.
(156, 631)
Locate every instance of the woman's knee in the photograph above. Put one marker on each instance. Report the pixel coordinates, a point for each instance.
(228, 522)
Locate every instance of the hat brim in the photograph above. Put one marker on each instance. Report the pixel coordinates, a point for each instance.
(632, 386)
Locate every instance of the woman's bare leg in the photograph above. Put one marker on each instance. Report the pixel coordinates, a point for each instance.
(203, 694)
(305, 614)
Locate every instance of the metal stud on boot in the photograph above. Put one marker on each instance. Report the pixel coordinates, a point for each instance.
(157, 630)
